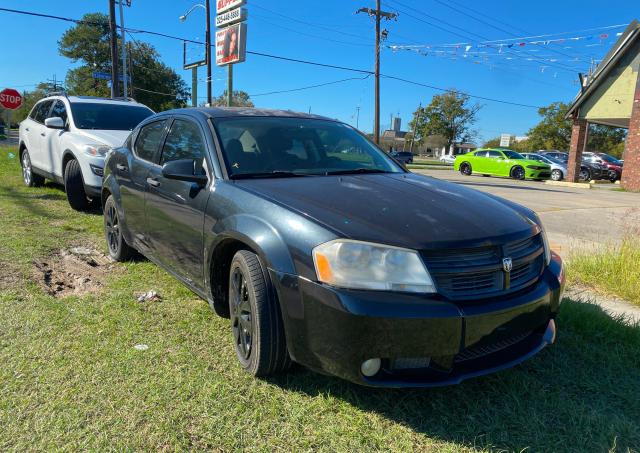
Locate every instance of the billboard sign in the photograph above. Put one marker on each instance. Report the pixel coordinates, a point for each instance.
(226, 5)
(231, 17)
(231, 44)
(505, 140)
(194, 54)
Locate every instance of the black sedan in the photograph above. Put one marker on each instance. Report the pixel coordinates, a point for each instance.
(289, 224)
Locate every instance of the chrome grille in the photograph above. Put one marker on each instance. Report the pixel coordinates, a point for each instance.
(478, 272)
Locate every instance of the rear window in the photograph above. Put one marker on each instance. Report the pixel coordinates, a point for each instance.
(113, 117)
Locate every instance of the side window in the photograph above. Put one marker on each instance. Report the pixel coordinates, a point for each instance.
(58, 110)
(184, 141)
(148, 140)
(42, 111)
(494, 154)
(480, 154)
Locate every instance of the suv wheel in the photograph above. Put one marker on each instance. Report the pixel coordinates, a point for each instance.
(258, 332)
(585, 175)
(74, 186)
(118, 248)
(556, 175)
(29, 177)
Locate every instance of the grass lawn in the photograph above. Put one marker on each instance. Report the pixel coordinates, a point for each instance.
(614, 270)
(71, 378)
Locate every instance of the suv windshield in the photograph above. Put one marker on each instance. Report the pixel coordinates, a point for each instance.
(512, 155)
(285, 147)
(116, 117)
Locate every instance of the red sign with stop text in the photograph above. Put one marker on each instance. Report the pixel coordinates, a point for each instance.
(10, 99)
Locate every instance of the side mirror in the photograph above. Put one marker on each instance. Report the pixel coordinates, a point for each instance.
(184, 170)
(54, 123)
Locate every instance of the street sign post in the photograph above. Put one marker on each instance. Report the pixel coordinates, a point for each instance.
(505, 140)
(10, 99)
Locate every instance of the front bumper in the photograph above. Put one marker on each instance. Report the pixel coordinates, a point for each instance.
(538, 174)
(334, 330)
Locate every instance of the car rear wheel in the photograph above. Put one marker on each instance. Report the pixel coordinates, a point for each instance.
(585, 175)
(258, 332)
(465, 168)
(118, 248)
(556, 175)
(74, 186)
(28, 176)
(517, 172)
(613, 176)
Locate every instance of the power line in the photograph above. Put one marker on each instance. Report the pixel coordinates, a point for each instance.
(266, 55)
(311, 86)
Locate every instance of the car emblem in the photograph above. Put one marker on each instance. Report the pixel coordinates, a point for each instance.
(507, 264)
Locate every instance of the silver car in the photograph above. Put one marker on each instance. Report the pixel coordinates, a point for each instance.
(558, 167)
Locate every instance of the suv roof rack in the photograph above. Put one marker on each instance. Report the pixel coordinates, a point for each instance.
(124, 98)
(58, 93)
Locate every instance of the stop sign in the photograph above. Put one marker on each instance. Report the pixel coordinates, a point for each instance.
(10, 99)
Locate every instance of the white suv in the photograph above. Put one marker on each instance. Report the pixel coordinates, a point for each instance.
(65, 139)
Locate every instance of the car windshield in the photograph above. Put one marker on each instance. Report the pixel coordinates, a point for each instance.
(552, 160)
(610, 159)
(287, 147)
(114, 117)
(512, 155)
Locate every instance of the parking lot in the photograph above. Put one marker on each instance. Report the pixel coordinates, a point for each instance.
(575, 218)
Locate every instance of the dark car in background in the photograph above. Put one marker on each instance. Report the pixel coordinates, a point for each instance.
(402, 156)
(613, 165)
(289, 224)
(588, 170)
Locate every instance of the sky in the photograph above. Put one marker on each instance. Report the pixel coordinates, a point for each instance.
(526, 52)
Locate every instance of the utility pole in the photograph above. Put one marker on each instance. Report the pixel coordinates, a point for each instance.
(229, 85)
(207, 7)
(378, 14)
(357, 117)
(124, 50)
(115, 92)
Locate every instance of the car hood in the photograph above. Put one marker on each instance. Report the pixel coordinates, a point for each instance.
(533, 162)
(404, 210)
(106, 137)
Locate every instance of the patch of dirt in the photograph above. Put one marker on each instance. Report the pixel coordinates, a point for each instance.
(75, 271)
(9, 276)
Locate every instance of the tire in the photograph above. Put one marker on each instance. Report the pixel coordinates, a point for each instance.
(118, 248)
(256, 323)
(584, 175)
(465, 168)
(486, 175)
(557, 175)
(74, 186)
(30, 178)
(518, 173)
(613, 176)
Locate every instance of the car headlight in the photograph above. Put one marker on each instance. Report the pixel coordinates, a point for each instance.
(363, 265)
(545, 242)
(96, 150)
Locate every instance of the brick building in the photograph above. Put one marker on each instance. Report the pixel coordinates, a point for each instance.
(611, 96)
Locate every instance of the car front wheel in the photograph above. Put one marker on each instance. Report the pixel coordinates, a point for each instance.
(28, 176)
(584, 175)
(517, 172)
(74, 186)
(557, 175)
(258, 332)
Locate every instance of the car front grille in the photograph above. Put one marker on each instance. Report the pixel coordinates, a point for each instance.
(475, 352)
(476, 273)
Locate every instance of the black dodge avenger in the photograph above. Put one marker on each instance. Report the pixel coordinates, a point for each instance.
(324, 251)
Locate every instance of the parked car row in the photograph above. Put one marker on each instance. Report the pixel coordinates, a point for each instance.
(289, 224)
(501, 162)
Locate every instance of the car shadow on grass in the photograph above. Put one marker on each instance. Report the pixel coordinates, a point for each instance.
(582, 394)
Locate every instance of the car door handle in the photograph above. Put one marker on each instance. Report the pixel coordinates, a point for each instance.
(121, 167)
(42, 133)
(153, 182)
(26, 129)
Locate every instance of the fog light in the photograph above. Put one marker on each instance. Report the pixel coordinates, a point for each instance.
(370, 367)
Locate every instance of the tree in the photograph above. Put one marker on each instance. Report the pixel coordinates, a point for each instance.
(449, 115)
(153, 83)
(239, 99)
(553, 131)
(606, 139)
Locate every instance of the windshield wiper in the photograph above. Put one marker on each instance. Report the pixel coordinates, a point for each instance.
(355, 171)
(268, 174)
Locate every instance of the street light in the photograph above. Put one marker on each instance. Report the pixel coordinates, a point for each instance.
(207, 40)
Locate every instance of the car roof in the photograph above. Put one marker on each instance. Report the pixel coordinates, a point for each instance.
(95, 100)
(237, 112)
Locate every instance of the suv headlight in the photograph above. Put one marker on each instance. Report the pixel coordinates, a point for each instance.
(96, 150)
(363, 265)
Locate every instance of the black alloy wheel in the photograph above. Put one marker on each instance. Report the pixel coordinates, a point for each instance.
(256, 322)
(118, 248)
(517, 172)
(465, 168)
(585, 175)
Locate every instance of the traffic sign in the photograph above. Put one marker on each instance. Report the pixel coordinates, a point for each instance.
(505, 140)
(10, 99)
(106, 76)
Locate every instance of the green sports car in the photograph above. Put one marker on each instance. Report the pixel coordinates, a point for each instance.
(501, 162)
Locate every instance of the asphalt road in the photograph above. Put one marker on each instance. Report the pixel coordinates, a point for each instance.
(575, 218)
